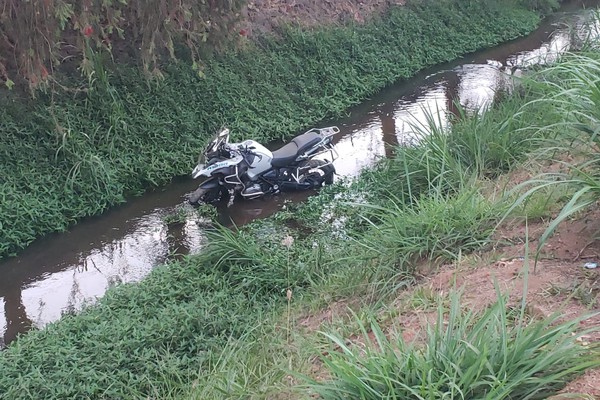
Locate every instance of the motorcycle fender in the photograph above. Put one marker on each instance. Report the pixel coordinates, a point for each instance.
(208, 170)
(210, 184)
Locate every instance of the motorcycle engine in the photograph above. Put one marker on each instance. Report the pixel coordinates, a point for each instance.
(253, 191)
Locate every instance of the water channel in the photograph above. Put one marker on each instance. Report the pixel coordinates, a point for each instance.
(63, 272)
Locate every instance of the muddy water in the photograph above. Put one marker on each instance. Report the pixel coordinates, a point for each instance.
(61, 273)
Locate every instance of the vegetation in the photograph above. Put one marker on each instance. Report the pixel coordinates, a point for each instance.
(466, 355)
(571, 89)
(39, 38)
(481, 354)
(67, 156)
(224, 324)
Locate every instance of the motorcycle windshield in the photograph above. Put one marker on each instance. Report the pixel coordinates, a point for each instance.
(222, 137)
(201, 159)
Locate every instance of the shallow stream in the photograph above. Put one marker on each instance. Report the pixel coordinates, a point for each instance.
(63, 272)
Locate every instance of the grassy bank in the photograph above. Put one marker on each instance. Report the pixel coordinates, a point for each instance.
(67, 156)
(224, 324)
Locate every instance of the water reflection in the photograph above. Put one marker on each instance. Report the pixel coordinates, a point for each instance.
(14, 316)
(243, 212)
(387, 120)
(121, 260)
(64, 272)
(414, 115)
(359, 148)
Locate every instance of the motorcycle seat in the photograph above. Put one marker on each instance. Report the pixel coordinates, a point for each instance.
(288, 153)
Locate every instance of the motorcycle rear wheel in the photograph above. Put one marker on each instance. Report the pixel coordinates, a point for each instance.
(317, 178)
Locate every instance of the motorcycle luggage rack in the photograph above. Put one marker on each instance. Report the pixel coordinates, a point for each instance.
(324, 146)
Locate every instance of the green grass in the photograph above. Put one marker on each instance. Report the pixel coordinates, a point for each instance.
(465, 355)
(571, 89)
(154, 338)
(436, 227)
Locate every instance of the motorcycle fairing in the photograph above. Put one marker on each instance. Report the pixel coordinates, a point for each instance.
(259, 157)
(210, 169)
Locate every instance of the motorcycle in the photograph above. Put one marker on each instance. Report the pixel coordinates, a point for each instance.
(250, 170)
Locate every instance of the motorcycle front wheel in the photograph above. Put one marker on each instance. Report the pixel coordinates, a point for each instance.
(203, 195)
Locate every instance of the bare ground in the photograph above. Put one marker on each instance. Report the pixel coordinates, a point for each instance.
(267, 15)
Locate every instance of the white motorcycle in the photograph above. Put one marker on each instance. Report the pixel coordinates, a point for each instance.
(251, 170)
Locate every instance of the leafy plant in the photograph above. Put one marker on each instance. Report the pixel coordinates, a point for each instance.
(543, 6)
(177, 216)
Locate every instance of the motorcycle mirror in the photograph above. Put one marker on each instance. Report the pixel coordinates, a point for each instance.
(224, 132)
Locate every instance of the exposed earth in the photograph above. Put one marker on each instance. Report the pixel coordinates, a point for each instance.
(560, 284)
(266, 15)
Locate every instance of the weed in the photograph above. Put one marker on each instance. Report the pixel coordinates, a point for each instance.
(207, 211)
(467, 355)
(570, 89)
(544, 204)
(177, 216)
(425, 299)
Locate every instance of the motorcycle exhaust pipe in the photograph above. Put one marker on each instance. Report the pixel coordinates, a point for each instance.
(291, 186)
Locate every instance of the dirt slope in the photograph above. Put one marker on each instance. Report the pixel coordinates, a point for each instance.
(265, 15)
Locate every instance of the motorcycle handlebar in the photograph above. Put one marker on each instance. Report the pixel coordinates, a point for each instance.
(245, 153)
